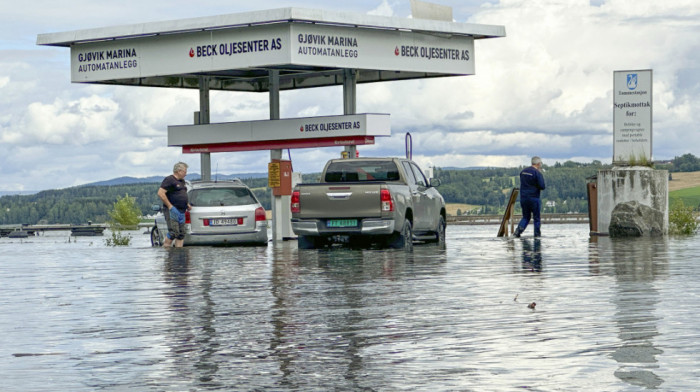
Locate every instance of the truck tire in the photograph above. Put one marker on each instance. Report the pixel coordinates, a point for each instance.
(404, 239)
(306, 242)
(440, 231)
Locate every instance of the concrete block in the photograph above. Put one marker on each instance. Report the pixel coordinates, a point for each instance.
(625, 184)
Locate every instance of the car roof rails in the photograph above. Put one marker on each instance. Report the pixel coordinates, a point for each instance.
(235, 180)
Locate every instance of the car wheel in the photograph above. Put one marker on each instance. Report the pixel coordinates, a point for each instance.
(306, 242)
(404, 239)
(440, 231)
(155, 237)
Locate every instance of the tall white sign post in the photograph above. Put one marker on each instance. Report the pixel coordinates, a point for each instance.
(630, 179)
(632, 117)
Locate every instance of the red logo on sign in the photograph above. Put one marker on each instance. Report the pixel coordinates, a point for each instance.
(301, 128)
(396, 51)
(191, 52)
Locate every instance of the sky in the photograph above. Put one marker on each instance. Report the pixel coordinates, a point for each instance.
(545, 89)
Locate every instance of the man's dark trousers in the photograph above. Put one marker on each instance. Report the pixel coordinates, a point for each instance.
(531, 208)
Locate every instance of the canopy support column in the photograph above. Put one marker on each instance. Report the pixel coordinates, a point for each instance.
(281, 212)
(350, 101)
(205, 157)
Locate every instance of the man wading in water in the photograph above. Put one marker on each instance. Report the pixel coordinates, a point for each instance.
(173, 193)
(531, 183)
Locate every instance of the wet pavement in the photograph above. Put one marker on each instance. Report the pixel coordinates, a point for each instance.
(563, 313)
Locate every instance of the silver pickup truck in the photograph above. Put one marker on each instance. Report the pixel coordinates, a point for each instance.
(368, 200)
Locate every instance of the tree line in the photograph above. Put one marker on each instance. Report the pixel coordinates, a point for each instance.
(488, 189)
(82, 204)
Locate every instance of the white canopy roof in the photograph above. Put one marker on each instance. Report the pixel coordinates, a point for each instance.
(423, 48)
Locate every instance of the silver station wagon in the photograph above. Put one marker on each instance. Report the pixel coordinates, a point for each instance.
(223, 213)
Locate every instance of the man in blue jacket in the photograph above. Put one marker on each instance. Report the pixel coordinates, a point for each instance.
(531, 183)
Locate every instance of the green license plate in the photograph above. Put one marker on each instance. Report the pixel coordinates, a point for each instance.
(342, 223)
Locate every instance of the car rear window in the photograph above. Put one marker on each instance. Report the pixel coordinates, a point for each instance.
(211, 197)
(350, 170)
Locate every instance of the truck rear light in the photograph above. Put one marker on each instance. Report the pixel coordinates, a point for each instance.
(259, 214)
(387, 203)
(187, 218)
(295, 206)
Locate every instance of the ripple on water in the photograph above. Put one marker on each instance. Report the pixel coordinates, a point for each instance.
(609, 315)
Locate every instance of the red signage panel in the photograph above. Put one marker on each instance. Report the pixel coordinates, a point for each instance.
(277, 144)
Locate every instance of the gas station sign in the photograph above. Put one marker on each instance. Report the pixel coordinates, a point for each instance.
(308, 132)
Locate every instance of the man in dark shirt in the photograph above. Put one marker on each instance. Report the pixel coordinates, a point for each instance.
(531, 183)
(173, 193)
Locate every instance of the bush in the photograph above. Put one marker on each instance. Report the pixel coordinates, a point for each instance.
(681, 219)
(124, 215)
(118, 239)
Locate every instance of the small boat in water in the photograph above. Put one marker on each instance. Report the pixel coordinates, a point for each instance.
(88, 230)
(18, 234)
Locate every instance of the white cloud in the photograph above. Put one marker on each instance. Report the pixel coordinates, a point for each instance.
(87, 120)
(384, 9)
(471, 160)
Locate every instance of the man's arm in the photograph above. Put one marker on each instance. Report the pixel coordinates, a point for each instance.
(163, 196)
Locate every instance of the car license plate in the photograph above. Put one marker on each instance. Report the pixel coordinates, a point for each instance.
(342, 223)
(224, 222)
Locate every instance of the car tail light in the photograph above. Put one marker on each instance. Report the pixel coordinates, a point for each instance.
(260, 214)
(295, 205)
(387, 203)
(187, 217)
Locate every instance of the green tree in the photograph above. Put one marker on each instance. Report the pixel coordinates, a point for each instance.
(125, 213)
(686, 163)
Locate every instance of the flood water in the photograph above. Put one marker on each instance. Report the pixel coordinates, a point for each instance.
(609, 315)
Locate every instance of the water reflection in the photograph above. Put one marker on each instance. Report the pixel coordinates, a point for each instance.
(636, 264)
(330, 305)
(191, 332)
(532, 254)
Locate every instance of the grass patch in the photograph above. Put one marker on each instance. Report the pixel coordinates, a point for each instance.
(689, 196)
(451, 208)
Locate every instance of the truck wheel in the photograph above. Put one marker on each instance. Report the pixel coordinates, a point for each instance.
(306, 242)
(404, 239)
(440, 231)
(155, 237)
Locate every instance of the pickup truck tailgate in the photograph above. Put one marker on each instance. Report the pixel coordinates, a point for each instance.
(340, 201)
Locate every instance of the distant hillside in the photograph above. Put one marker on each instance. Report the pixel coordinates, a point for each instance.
(127, 180)
(4, 193)
(469, 168)
(157, 179)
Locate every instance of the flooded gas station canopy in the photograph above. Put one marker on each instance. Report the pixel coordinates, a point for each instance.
(270, 51)
(309, 48)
